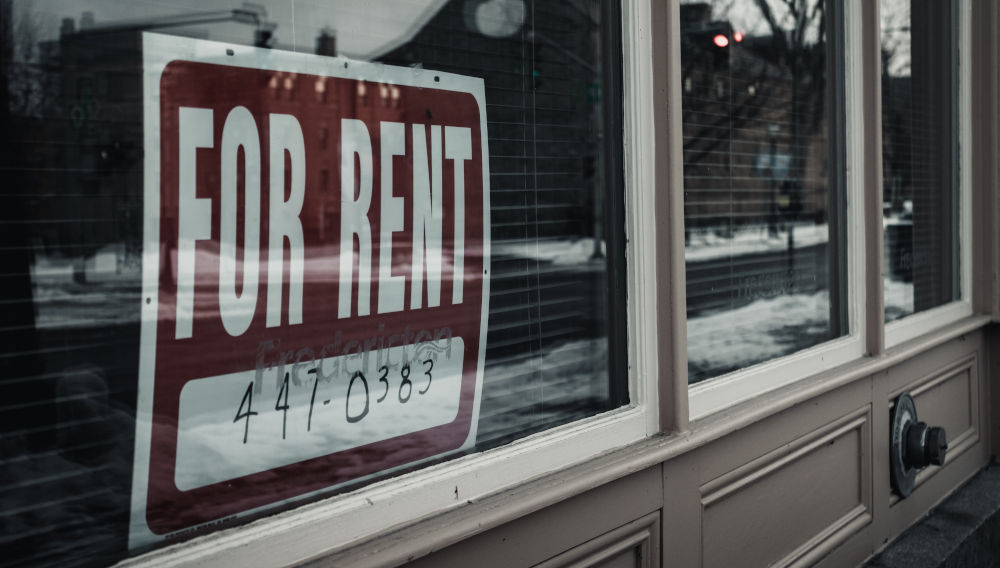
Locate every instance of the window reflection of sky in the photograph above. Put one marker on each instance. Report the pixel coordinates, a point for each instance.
(757, 243)
(748, 17)
(895, 21)
(364, 29)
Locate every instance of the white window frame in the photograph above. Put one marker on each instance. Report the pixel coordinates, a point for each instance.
(340, 521)
(921, 323)
(719, 393)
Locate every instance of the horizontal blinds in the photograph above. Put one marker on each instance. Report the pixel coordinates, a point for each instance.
(71, 226)
(547, 352)
(757, 187)
(919, 163)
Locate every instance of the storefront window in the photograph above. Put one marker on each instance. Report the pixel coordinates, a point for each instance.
(352, 239)
(920, 170)
(764, 205)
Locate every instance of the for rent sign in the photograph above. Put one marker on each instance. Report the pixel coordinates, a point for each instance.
(315, 276)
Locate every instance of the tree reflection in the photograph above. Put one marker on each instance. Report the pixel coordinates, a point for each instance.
(760, 175)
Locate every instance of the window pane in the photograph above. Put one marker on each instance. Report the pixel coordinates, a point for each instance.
(764, 208)
(920, 155)
(139, 195)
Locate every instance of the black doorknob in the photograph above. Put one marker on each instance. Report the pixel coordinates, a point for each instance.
(937, 444)
(913, 445)
(925, 445)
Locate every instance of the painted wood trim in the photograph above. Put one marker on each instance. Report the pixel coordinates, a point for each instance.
(739, 478)
(854, 178)
(643, 217)
(716, 395)
(920, 323)
(893, 515)
(743, 479)
(720, 393)
(984, 127)
(917, 324)
(992, 185)
(669, 190)
(871, 70)
(420, 538)
(768, 404)
(825, 542)
(319, 528)
(990, 404)
(966, 368)
(966, 217)
(643, 532)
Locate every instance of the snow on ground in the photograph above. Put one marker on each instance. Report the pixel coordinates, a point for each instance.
(560, 252)
(103, 289)
(898, 298)
(709, 245)
(756, 332)
(553, 386)
(717, 342)
(766, 329)
(702, 245)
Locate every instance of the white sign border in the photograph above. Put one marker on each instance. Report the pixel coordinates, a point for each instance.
(159, 50)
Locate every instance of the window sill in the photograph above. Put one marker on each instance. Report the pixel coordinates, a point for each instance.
(721, 393)
(925, 322)
(755, 409)
(287, 536)
(392, 505)
(727, 392)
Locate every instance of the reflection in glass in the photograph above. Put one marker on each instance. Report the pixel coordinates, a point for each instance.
(763, 209)
(919, 155)
(72, 223)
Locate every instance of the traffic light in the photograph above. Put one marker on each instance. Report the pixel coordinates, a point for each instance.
(720, 47)
(711, 42)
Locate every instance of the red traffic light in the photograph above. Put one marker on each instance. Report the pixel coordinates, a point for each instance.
(720, 40)
(738, 37)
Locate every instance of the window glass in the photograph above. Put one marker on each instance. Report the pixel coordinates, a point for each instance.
(920, 155)
(179, 245)
(763, 201)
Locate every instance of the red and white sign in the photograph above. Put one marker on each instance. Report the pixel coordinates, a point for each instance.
(315, 276)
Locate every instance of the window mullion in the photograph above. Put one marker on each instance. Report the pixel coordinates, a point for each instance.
(669, 191)
(986, 231)
(871, 103)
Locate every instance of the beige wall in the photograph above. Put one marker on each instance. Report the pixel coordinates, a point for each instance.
(808, 485)
(795, 477)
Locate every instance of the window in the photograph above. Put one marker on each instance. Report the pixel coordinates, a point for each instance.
(920, 159)
(407, 254)
(774, 198)
(764, 190)
(105, 100)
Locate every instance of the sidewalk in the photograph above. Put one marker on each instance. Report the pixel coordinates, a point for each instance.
(961, 532)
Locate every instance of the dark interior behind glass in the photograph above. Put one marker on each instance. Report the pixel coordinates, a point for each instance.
(920, 173)
(71, 225)
(764, 200)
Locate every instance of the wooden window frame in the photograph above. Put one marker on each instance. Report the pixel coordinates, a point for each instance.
(341, 521)
(921, 323)
(717, 394)
(366, 527)
(869, 335)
